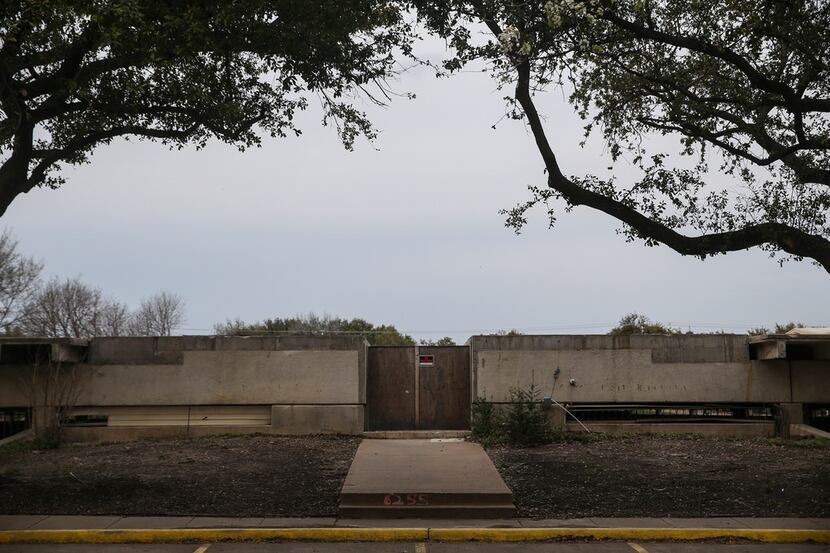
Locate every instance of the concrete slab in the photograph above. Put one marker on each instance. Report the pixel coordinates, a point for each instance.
(35, 522)
(472, 547)
(22, 435)
(19, 522)
(312, 547)
(630, 522)
(69, 522)
(436, 478)
(558, 523)
(807, 431)
(422, 466)
(415, 434)
(708, 547)
(427, 523)
(713, 522)
(224, 522)
(820, 523)
(132, 523)
(785, 523)
(101, 548)
(297, 522)
(403, 547)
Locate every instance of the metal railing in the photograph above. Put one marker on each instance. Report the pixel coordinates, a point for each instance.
(656, 413)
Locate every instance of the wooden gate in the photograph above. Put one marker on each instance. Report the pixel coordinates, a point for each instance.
(418, 388)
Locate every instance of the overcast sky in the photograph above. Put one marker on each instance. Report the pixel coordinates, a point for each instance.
(403, 231)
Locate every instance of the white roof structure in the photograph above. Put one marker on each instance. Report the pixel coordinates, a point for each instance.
(810, 331)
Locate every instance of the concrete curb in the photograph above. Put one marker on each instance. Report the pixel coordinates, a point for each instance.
(409, 534)
(626, 534)
(175, 535)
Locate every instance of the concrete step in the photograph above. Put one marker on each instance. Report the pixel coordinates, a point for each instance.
(416, 434)
(427, 478)
(425, 499)
(427, 505)
(451, 512)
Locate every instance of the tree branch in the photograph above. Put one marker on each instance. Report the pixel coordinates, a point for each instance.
(756, 78)
(50, 157)
(791, 240)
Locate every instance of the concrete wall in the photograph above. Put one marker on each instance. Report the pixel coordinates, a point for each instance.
(230, 377)
(315, 384)
(643, 369)
(308, 384)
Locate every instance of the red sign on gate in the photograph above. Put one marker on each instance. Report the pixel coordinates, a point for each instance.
(426, 360)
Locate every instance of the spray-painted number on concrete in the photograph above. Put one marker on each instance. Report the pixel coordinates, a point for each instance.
(408, 500)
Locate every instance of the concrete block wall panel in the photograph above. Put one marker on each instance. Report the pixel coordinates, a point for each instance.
(214, 370)
(131, 351)
(821, 351)
(182, 415)
(693, 368)
(619, 376)
(810, 381)
(128, 433)
(11, 389)
(731, 347)
(317, 419)
(229, 377)
(149, 350)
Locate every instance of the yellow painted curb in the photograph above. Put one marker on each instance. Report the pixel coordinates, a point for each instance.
(409, 534)
(175, 535)
(627, 534)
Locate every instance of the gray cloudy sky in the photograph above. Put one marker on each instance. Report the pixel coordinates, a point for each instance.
(405, 231)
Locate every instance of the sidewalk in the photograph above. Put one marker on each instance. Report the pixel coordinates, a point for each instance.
(61, 522)
(123, 530)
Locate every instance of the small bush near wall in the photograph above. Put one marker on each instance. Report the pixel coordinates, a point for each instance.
(485, 422)
(523, 422)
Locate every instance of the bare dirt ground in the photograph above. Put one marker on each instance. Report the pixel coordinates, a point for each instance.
(221, 476)
(302, 476)
(663, 477)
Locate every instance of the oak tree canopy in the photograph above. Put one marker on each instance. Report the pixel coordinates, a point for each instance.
(742, 85)
(76, 75)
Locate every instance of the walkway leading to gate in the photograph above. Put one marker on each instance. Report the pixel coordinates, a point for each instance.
(447, 478)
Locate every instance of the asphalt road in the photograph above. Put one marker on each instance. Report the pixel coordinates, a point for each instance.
(397, 547)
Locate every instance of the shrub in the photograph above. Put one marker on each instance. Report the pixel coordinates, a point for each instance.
(485, 422)
(525, 423)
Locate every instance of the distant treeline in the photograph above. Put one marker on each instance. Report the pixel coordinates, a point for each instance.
(376, 335)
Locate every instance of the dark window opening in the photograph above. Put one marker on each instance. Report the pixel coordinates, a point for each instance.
(818, 416)
(14, 420)
(86, 420)
(25, 354)
(799, 352)
(657, 413)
